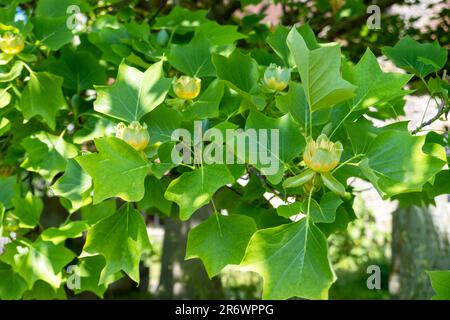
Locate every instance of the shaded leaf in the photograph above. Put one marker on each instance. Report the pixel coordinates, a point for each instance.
(418, 58)
(39, 260)
(320, 72)
(121, 238)
(73, 184)
(42, 96)
(292, 259)
(117, 170)
(134, 93)
(70, 230)
(192, 190)
(395, 163)
(47, 154)
(220, 241)
(440, 280)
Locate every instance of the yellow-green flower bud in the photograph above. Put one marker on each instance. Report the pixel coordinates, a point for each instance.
(135, 134)
(322, 155)
(186, 87)
(162, 38)
(11, 43)
(276, 77)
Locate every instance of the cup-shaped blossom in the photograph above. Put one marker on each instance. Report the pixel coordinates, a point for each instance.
(186, 87)
(322, 155)
(276, 77)
(135, 134)
(11, 43)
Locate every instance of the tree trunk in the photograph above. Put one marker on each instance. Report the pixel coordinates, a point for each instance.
(182, 279)
(420, 242)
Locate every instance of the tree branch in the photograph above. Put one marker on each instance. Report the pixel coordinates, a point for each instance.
(443, 109)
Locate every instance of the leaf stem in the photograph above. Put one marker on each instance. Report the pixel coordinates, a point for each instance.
(345, 118)
(348, 161)
(309, 201)
(28, 68)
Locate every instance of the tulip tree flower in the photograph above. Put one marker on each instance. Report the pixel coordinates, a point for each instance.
(135, 134)
(276, 77)
(187, 88)
(11, 43)
(321, 156)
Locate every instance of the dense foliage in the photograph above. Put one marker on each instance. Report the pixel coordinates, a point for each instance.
(88, 105)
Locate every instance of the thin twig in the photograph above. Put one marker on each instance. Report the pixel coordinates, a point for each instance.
(443, 109)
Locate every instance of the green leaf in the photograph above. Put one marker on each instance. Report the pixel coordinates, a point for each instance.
(294, 102)
(47, 154)
(51, 8)
(94, 213)
(192, 190)
(80, 69)
(373, 86)
(121, 238)
(193, 59)
(94, 127)
(28, 210)
(292, 259)
(52, 31)
(5, 126)
(43, 97)
(70, 230)
(418, 58)
(264, 218)
(277, 41)
(280, 152)
(134, 93)
(440, 280)
(117, 170)
(340, 223)
(43, 291)
(207, 105)
(13, 73)
(154, 196)
(5, 58)
(39, 260)
(89, 269)
(10, 189)
(326, 211)
(181, 20)
(217, 34)
(396, 163)
(220, 241)
(158, 169)
(240, 72)
(5, 98)
(290, 210)
(12, 285)
(161, 122)
(73, 184)
(107, 33)
(2, 216)
(320, 73)
(360, 134)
